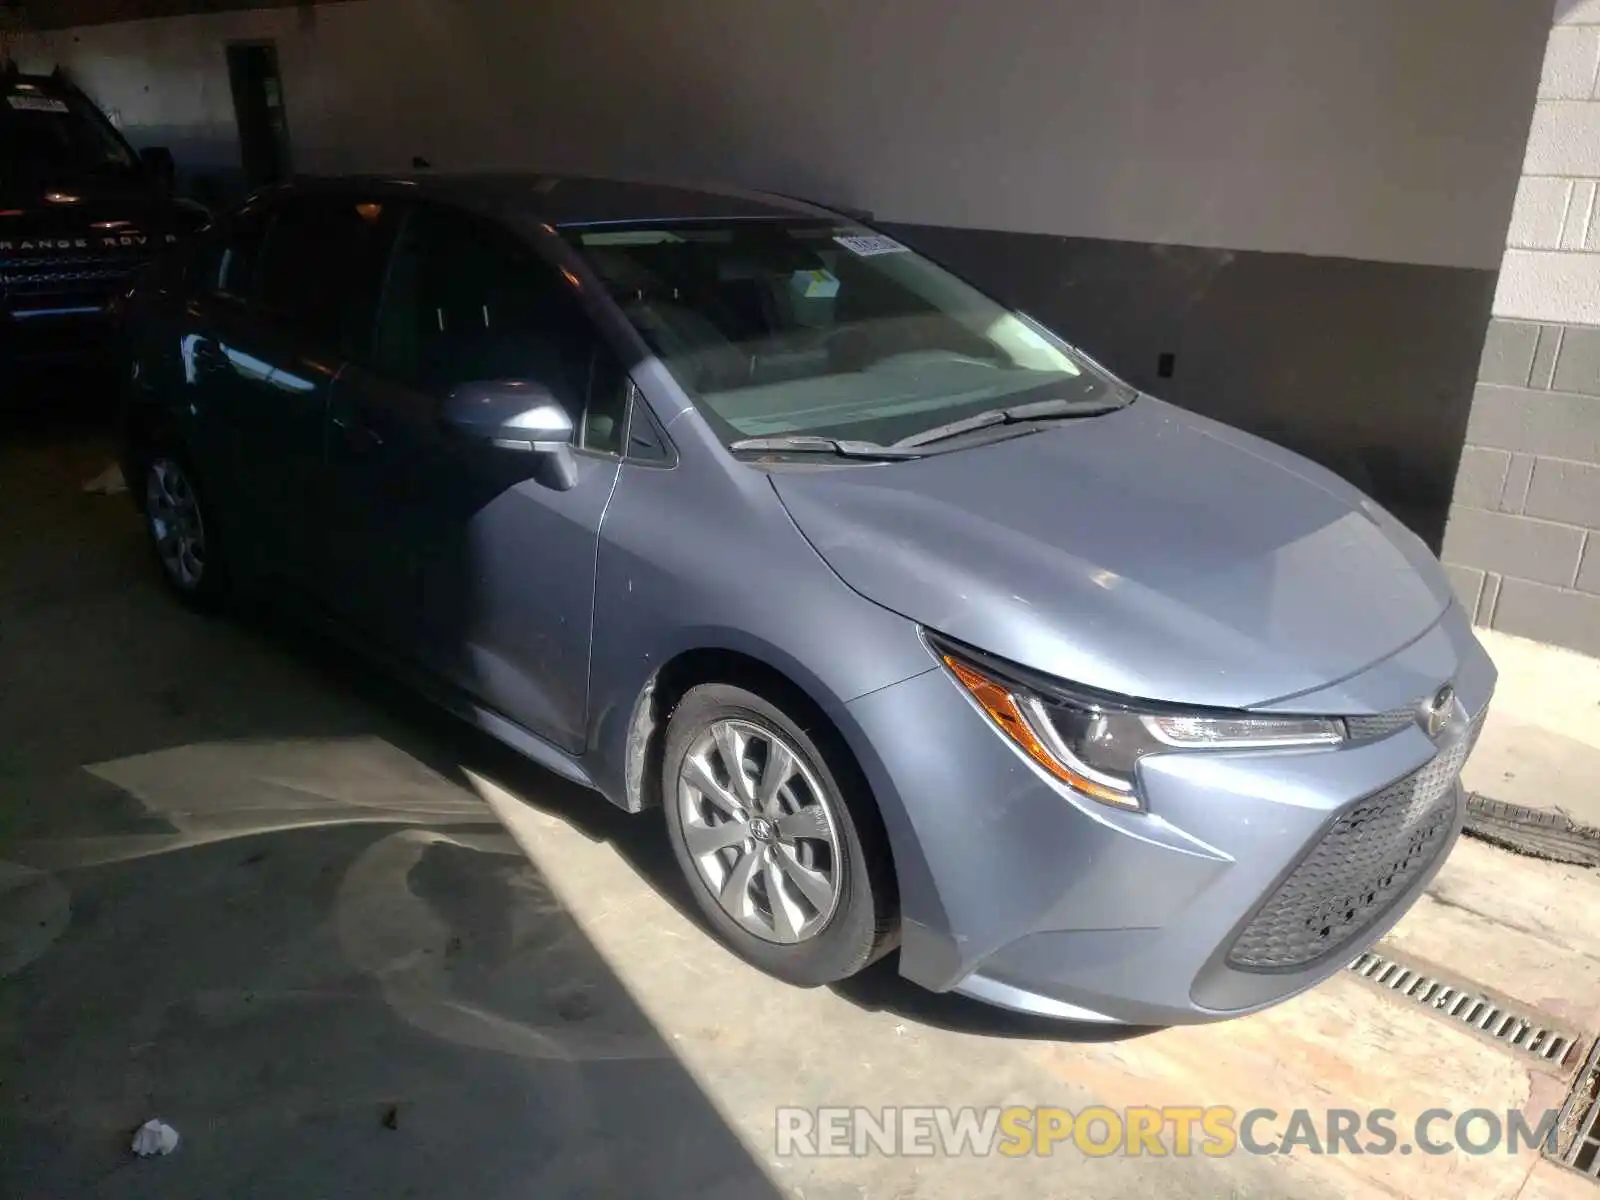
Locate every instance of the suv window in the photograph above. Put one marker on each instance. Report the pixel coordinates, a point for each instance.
(323, 266)
(57, 133)
(466, 302)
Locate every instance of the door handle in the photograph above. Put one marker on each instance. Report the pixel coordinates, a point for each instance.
(208, 355)
(358, 435)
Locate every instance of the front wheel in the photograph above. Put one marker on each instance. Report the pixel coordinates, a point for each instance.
(780, 846)
(183, 532)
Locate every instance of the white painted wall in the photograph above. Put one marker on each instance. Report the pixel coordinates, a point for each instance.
(1551, 270)
(1378, 129)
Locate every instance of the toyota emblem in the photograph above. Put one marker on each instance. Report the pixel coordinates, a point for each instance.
(1436, 712)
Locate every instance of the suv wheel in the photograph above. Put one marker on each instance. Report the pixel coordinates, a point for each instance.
(777, 842)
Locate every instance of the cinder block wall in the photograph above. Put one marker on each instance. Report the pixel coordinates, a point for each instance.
(1523, 540)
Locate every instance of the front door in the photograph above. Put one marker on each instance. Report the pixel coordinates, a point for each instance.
(455, 553)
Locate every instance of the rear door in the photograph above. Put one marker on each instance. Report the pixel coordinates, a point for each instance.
(452, 552)
(276, 343)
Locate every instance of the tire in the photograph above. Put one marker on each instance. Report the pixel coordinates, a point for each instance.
(820, 831)
(183, 531)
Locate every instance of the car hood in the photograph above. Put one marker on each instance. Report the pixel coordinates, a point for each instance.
(1148, 552)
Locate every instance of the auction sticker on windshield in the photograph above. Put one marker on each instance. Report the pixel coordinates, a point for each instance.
(866, 245)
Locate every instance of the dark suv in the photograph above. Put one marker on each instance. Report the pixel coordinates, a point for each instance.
(79, 212)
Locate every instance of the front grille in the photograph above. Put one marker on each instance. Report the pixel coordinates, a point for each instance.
(1365, 861)
(1379, 725)
(67, 281)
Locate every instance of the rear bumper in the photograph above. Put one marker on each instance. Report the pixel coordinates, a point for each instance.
(1020, 895)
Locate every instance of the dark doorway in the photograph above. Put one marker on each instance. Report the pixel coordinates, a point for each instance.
(258, 109)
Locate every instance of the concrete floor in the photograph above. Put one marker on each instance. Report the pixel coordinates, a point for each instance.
(249, 887)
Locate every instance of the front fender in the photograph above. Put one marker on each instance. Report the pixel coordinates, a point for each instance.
(686, 564)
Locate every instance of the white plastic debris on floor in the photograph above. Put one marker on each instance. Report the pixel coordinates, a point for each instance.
(108, 483)
(154, 1137)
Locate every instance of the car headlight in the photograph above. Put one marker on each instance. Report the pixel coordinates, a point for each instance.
(1093, 743)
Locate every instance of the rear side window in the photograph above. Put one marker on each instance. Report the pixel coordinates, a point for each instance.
(323, 265)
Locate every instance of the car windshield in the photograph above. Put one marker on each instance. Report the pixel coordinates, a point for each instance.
(809, 327)
(56, 135)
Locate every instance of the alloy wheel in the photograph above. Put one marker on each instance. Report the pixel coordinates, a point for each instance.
(760, 830)
(173, 511)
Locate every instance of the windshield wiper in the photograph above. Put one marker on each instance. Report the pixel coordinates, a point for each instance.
(1039, 410)
(910, 447)
(808, 443)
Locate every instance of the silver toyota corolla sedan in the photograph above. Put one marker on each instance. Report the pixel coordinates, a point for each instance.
(922, 630)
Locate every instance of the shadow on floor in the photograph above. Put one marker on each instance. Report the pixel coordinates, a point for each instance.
(880, 988)
(642, 842)
(342, 1011)
(240, 891)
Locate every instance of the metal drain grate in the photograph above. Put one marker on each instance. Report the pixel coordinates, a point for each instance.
(1581, 1117)
(1530, 1034)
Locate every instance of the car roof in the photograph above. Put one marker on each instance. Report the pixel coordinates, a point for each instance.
(568, 200)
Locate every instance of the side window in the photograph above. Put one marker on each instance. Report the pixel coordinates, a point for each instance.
(323, 267)
(466, 302)
(605, 417)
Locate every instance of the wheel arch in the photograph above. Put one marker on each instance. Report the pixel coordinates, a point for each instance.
(146, 424)
(824, 717)
(793, 689)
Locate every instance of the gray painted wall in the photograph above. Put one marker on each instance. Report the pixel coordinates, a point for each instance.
(1303, 201)
(1366, 367)
(1348, 128)
(1523, 542)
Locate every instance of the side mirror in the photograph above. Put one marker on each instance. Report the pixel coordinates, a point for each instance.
(518, 416)
(159, 165)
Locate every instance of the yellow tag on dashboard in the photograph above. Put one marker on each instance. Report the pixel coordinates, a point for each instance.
(815, 285)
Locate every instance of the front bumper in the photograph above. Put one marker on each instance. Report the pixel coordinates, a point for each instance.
(82, 333)
(1203, 906)
(62, 308)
